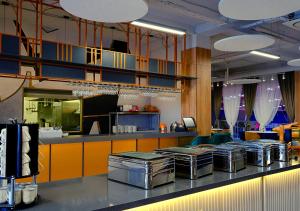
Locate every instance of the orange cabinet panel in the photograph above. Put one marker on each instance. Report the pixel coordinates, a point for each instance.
(44, 165)
(249, 136)
(66, 161)
(96, 157)
(147, 144)
(168, 142)
(119, 146)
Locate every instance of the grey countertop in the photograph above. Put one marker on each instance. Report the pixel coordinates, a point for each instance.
(98, 193)
(95, 138)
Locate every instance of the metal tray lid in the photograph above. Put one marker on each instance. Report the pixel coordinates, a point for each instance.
(186, 151)
(257, 145)
(145, 156)
(273, 142)
(229, 147)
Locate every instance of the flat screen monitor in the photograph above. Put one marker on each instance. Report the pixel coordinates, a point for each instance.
(189, 122)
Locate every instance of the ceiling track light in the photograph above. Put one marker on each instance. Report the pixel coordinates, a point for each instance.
(272, 78)
(267, 55)
(158, 28)
(283, 76)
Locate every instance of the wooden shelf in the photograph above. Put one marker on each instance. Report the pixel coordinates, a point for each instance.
(92, 68)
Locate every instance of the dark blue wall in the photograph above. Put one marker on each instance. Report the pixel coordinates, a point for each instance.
(62, 72)
(10, 67)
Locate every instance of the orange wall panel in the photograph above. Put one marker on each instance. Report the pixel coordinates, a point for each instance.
(168, 142)
(147, 144)
(66, 161)
(96, 157)
(119, 146)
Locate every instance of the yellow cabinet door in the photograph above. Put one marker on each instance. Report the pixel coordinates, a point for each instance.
(96, 157)
(168, 142)
(147, 144)
(66, 161)
(119, 146)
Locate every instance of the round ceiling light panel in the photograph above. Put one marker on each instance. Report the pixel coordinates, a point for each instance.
(109, 11)
(257, 9)
(294, 63)
(244, 43)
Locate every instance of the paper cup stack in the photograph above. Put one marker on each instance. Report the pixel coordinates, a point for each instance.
(26, 138)
(3, 153)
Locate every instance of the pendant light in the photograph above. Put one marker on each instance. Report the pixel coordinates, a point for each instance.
(294, 63)
(109, 11)
(246, 42)
(257, 9)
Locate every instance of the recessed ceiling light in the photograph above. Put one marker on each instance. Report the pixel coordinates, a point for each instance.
(267, 55)
(294, 63)
(158, 28)
(246, 42)
(257, 9)
(110, 11)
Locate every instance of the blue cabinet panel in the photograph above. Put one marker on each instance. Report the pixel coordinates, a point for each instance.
(164, 82)
(10, 45)
(130, 62)
(153, 65)
(78, 55)
(171, 68)
(144, 122)
(118, 77)
(10, 67)
(49, 50)
(62, 72)
(107, 58)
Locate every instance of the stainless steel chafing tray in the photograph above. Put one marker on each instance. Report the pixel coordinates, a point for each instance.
(145, 170)
(229, 158)
(190, 163)
(281, 151)
(258, 154)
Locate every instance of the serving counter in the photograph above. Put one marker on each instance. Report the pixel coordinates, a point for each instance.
(272, 188)
(78, 156)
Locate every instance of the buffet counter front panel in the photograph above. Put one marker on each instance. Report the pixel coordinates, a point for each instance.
(245, 196)
(277, 192)
(272, 188)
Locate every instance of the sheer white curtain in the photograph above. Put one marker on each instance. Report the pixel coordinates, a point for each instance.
(231, 102)
(268, 98)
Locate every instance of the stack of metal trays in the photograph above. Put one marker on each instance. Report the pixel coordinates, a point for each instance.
(281, 151)
(258, 154)
(229, 158)
(145, 170)
(190, 163)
